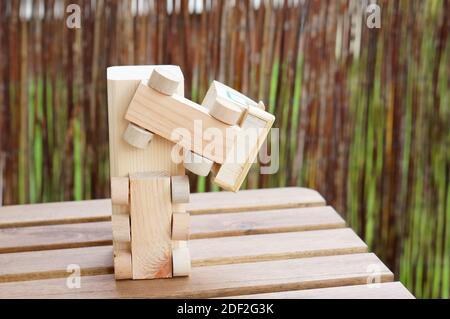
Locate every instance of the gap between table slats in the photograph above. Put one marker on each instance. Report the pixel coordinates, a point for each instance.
(217, 281)
(201, 203)
(204, 252)
(203, 226)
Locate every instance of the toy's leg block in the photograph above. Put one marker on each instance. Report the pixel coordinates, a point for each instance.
(151, 219)
(255, 127)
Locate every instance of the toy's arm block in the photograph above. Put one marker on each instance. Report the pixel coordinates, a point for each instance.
(182, 121)
(255, 127)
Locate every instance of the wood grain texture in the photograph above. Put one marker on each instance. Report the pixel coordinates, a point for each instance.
(263, 222)
(255, 127)
(180, 189)
(120, 190)
(171, 117)
(165, 81)
(204, 252)
(151, 225)
(56, 237)
(216, 281)
(387, 290)
(249, 248)
(181, 224)
(197, 164)
(202, 226)
(124, 159)
(137, 137)
(201, 203)
(181, 261)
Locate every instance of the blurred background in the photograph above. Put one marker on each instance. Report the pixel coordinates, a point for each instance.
(363, 112)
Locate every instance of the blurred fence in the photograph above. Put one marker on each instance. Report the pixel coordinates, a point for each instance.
(364, 113)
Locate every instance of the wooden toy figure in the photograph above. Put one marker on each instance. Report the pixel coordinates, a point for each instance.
(155, 133)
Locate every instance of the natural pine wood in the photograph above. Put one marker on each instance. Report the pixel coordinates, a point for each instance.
(233, 171)
(202, 226)
(126, 159)
(201, 203)
(387, 290)
(216, 281)
(151, 110)
(151, 220)
(285, 253)
(180, 189)
(181, 224)
(137, 137)
(165, 81)
(204, 252)
(120, 190)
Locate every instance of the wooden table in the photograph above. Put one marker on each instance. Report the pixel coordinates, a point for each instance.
(271, 243)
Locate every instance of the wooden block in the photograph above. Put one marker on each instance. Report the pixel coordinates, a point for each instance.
(181, 223)
(225, 111)
(180, 189)
(197, 164)
(233, 172)
(181, 262)
(136, 136)
(120, 190)
(122, 246)
(151, 220)
(165, 80)
(224, 92)
(124, 159)
(179, 208)
(182, 121)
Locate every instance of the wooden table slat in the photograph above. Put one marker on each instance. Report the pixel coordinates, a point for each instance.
(216, 281)
(387, 290)
(201, 203)
(204, 252)
(203, 226)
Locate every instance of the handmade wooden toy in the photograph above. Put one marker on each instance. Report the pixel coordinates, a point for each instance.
(149, 117)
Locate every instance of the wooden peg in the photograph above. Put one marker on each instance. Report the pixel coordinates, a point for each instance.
(180, 189)
(225, 111)
(181, 260)
(180, 226)
(136, 136)
(261, 105)
(120, 190)
(179, 208)
(164, 81)
(197, 164)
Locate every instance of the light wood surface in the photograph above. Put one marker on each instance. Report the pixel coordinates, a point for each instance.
(204, 252)
(124, 158)
(202, 226)
(387, 290)
(120, 190)
(181, 260)
(165, 81)
(150, 201)
(288, 243)
(180, 189)
(181, 224)
(201, 203)
(255, 127)
(137, 137)
(216, 281)
(225, 112)
(172, 117)
(197, 164)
